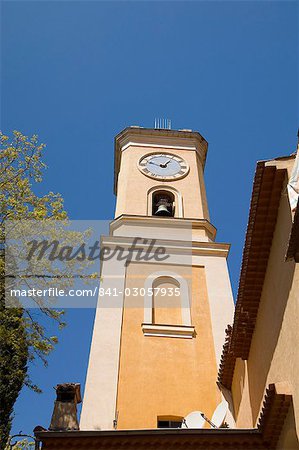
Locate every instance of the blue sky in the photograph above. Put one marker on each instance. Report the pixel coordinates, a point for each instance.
(76, 73)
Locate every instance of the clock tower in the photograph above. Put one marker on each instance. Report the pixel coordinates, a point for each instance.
(157, 340)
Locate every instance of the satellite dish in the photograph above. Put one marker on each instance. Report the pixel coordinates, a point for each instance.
(220, 413)
(193, 420)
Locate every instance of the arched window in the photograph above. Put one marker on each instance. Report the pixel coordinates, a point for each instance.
(167, 198)
(166, 308)
(163, 204)
(166, 315)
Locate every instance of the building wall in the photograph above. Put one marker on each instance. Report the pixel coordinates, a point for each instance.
(240, 395)
(289, 436)
(160, 376)
(133, 186)
(274, 352)
(143, 377)
(117, 328)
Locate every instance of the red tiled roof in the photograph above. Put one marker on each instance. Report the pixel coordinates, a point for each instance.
(265, 436)
(275, 408)
(265, 199)
(158, 439)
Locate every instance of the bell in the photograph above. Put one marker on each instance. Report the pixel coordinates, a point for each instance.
(162, 211)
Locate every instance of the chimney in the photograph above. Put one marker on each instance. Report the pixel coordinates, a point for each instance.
(64, 417)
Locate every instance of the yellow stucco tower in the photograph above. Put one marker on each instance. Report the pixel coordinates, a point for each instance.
(157, 342)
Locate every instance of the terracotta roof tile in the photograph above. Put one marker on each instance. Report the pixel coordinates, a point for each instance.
(265, 200)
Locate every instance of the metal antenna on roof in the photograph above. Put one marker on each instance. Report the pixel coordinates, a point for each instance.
(162, 124)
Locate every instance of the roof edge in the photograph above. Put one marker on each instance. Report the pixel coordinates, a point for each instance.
(267, 187)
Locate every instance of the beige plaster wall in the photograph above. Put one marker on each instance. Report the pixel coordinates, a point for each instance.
(98, 408)
(241, 398)
(289, 438)
(133, 186)
(160, 376)
(274, 354)
(140, 376)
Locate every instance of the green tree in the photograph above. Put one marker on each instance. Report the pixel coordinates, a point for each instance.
(22, 337)
(23, 444)
(13, 361)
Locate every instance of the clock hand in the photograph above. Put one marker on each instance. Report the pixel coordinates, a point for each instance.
(150, 162)
(165, 164)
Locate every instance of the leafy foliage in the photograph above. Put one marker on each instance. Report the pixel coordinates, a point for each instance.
(22, 337)
(13, 361)
(23, 444)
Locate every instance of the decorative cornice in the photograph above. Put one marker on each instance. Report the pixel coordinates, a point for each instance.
(170, 439)
(171, 147)
(227, 361)
(173, 331)
(174, 222)
(275, 408)
(172, 247)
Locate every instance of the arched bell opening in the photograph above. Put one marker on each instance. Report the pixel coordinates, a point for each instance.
(163, 204)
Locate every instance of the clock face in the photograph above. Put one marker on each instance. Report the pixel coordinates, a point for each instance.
(163, 166)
